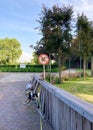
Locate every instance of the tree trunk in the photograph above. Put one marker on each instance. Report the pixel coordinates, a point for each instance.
(59, 63)
(84, 67)
(92, 66)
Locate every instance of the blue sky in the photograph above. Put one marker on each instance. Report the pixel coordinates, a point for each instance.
(18, 18)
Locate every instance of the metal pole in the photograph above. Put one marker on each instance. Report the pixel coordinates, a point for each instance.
(50, 66)
(50, 71)
(44, 71)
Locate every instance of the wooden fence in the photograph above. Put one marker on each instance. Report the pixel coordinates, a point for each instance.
(63, 110)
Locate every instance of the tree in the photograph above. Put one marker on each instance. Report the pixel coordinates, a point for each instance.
(92, 65)
(85, 36)
(35, 59)
(10, 50)
(55, 26)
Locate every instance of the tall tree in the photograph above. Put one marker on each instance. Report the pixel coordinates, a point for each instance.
(55, 26)
(10, 50)
(85, 36)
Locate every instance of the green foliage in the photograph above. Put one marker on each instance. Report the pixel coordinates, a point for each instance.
(29, 68)
(10, 50)
(55, 28)
(54, 78)
(35, 59)
(57, 81)
(85, 35)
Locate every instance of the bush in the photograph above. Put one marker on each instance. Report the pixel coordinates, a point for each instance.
(29, 68)
(54, 78)
(68, 76)
(82, 75)
(57, 81)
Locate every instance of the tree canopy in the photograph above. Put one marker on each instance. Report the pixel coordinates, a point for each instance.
(10, 50)
(59, 37)
(85, 38)
(85, 35)
(55, 27)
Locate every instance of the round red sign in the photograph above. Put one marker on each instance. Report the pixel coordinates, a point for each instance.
(43, 59)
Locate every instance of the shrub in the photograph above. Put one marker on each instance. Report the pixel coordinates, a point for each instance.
(54, 78)
(29, 68)
(82, 75)
(57, 81)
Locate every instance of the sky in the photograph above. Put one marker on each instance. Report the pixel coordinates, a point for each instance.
(18, 18)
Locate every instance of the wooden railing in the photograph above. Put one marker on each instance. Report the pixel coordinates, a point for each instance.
(63, 110)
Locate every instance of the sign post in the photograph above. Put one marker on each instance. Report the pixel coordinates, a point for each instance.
(44, 71)
(43, 59)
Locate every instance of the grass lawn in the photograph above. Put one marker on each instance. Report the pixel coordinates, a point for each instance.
(79, 87)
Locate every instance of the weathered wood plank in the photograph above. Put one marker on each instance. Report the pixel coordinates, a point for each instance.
(92, 126)
(50, 108)
(63, 110)
(73, 120)
(86, 124)
(78, 121)
(67, 115)
(46, 125)
(61, 121)
(53, 111)
(84, 108)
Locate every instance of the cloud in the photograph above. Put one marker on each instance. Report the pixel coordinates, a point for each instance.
(25, 57)
(85, 6)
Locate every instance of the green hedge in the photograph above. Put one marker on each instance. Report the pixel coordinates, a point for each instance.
(29, 68)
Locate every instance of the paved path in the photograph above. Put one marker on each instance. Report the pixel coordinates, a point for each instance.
(14, 115)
